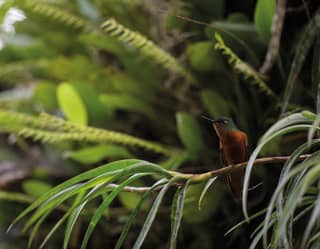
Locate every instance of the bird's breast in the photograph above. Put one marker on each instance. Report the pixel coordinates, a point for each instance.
(234, 147)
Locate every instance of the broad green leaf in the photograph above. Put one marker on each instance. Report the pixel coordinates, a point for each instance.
(189, 132)
(35, 188)
(45, 95)
(97, 111)
(97, 153)
(71, 104)
(128, 103)
(216, 105)
(124, 84)
(263, 16)
(204, 58)
(151, 216)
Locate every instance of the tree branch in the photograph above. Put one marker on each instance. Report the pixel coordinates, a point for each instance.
(231, 168)
(276, 30)
(196, 178)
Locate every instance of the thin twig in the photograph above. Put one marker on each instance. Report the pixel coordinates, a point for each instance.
(276, 30)
(231, 168)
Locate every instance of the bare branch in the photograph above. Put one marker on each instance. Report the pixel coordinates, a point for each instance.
(195, 178)
(276, 30)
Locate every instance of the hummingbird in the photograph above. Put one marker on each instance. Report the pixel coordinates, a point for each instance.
(234, 149)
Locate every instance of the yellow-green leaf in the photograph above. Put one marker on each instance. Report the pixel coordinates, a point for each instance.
(71, 104)
(263, 15)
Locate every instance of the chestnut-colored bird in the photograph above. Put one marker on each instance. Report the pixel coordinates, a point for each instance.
(234, 149)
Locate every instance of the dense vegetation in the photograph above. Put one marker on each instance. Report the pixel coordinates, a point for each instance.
(102, 140)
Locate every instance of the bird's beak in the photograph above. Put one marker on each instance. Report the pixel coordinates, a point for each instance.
(212, 120)
(218, 127)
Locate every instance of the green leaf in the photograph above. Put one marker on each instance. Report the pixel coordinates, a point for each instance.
(215, 103)
(210, 204)
(204, 58)
(128, 103)
(130, 199)
(205, 189)
(295, 197)
(263, 16)
(296, 118)
(97, 111)
(71, 104)
(45, 95)
(151, 216)
(104, 206)
(135, 212)
(286, 176)
(311, 223)
(256, 152)
(75, 213)
(316, 73)
(190, 132)
(118, 165)
(35, 188)
(176, 214)
(97, 153)
(176, 160)
(55, 200)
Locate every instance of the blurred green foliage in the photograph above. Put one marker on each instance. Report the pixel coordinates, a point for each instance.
(132, 78)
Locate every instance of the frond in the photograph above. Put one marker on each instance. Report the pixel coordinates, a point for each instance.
(243, 68)
(50, 129)
(54, 13)
(145, 46)
(13, 73)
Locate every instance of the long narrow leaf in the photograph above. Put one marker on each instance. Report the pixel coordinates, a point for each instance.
(151, 216)
(82, 177)
(75, 213)
(135, 212)
(205, 189)
(105, 204)
(176, 214)
(256, 153)
(312, 220)
(281, 185)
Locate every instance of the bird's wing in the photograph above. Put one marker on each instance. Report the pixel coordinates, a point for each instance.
(235, 179)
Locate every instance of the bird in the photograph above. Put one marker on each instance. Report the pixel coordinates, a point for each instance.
(233, 145)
